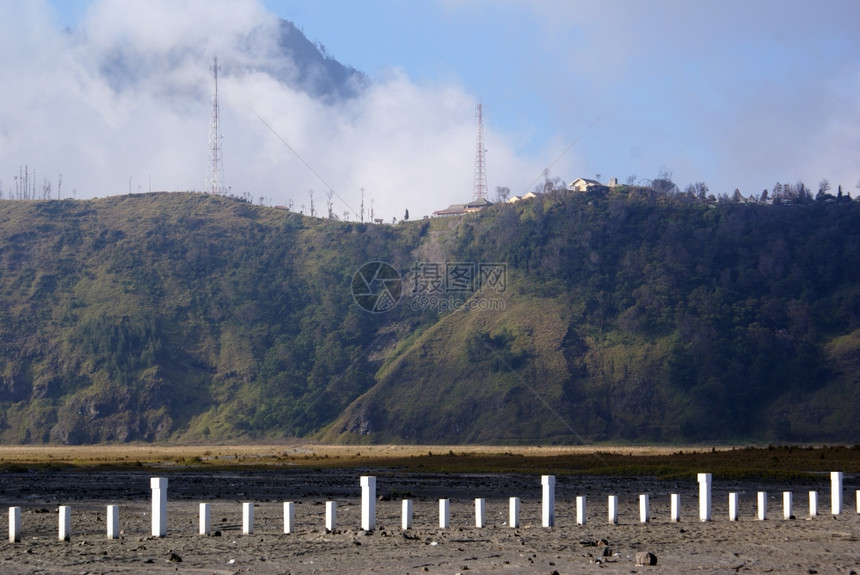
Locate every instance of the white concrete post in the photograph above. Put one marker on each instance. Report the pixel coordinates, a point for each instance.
(514, 512)
(406, 519)
(444, 513)
(857, 499)
(480, 512)
(612, 509)
(247, 518)
(762, 505)
(581, 509)
(705, 496)
(733, 506)
(787, 499)
(368, 502)
(676, 507)
(205, 523)
(548, 501)
(813, 503)
(14, 524)
(159, 506)
(65, 523)
(289, 516)
(644, 508)
(836, 492)
(330, 515)
(113, 521)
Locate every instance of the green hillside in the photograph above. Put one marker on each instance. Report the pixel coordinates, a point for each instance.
(620, 316)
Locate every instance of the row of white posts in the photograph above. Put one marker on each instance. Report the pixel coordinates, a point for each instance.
(158, 486)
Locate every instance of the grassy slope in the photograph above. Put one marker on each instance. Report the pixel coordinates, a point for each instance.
(190, 317)
(176, 315)
(467, 379)
(641, 322)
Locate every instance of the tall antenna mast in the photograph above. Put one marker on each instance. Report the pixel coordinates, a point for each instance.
(215, 169)
(479, 190)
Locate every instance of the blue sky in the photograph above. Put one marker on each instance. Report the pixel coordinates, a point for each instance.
(738, 94)
(734, 93)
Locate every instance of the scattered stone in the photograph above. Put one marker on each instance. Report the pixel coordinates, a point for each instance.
(607, 551)
(174, 558)
(645, 558)
(216, 534)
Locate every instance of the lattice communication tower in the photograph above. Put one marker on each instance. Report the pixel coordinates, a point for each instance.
(479, 190)
(215, 169)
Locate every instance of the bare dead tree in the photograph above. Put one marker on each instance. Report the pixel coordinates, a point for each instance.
(503, 193)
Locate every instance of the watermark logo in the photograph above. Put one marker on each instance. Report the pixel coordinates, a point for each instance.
(449, 286)
(377, 287)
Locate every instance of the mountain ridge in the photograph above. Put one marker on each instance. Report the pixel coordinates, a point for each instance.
(188, 317)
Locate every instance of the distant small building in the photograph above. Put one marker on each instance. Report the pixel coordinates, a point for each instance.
(452, 210)
(584, 185)
(525, 196)
(477, 205)
(460, 209)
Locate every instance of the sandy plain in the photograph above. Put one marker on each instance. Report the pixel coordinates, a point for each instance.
(823, 544)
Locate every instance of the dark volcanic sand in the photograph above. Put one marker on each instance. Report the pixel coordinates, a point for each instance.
(824, 544)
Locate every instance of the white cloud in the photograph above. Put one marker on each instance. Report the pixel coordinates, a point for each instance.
(123, 102)
(737, 96)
